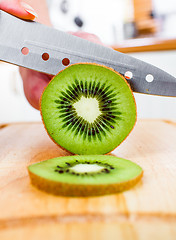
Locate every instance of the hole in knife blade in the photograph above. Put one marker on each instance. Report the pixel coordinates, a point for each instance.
(25, 51)
(45, 56)
(65, 61)
(128, 75)
(149, 78)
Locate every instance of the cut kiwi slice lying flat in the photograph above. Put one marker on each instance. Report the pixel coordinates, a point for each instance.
(88, 109)
(85, 175)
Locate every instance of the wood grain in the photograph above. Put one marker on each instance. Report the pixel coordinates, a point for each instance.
(148, 211)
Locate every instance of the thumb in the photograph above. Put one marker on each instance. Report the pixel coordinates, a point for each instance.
(18, 8)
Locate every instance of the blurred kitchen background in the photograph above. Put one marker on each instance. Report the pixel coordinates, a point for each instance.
(145, 29)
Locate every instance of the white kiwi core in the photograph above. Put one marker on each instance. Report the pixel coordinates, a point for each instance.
(85, 168)
(87, 108)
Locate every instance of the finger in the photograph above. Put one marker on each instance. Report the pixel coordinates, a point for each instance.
(88, 36)
(18, 8)
(34, 84)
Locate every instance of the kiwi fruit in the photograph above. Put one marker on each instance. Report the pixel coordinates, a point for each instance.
(85, 175)
(88, 109)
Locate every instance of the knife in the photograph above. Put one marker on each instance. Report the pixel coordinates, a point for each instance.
(50, 50)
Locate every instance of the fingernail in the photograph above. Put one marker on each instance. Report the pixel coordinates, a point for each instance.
(29, 9)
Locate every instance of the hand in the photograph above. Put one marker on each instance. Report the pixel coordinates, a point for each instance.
(35, 82)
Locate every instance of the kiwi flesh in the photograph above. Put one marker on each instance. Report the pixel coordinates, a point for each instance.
(88, 109)
(85, 175)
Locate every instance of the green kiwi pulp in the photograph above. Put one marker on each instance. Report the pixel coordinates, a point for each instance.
(85, 175)
(88, 109)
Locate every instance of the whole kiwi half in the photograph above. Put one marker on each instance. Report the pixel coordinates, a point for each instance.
(85, 175)
(88, 109)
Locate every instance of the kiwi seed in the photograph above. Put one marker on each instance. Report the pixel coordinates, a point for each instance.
(85, 176)
(88, 109)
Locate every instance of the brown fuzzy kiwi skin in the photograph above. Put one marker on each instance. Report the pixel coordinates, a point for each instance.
(81, 190)
(87, 64)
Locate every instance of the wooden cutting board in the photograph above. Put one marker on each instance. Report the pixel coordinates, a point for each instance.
(148, 211)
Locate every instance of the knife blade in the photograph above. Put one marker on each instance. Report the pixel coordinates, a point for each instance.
(16, 34)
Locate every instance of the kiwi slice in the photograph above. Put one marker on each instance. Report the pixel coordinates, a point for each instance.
(88, 109)
(85, 175)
